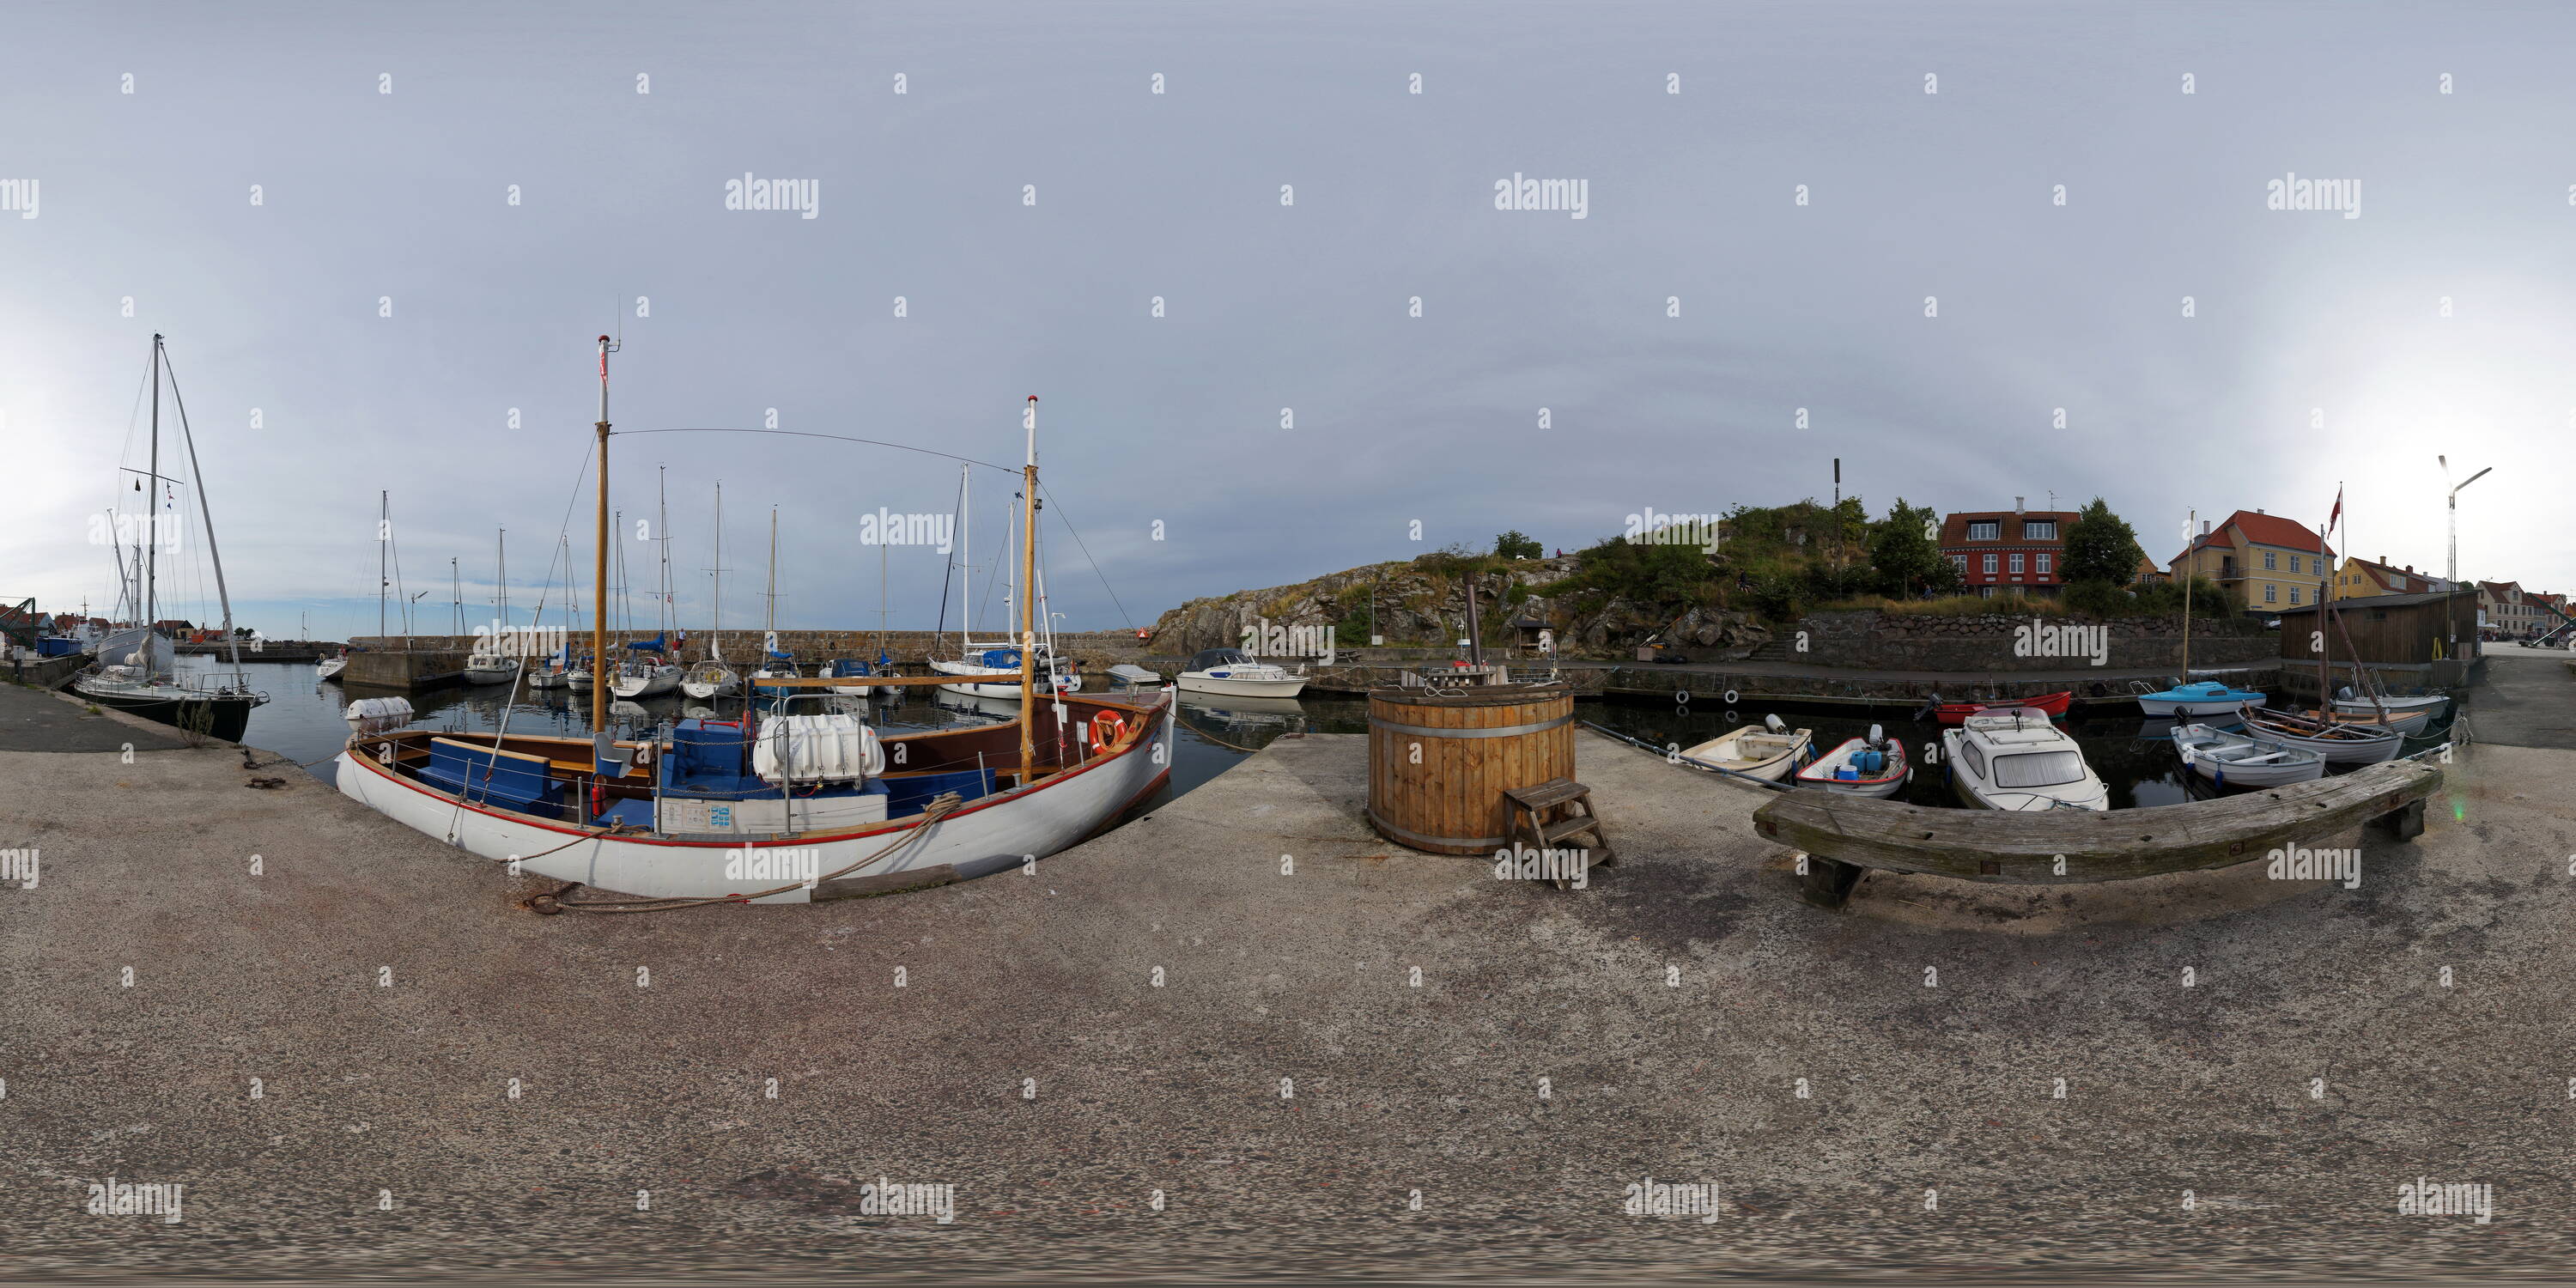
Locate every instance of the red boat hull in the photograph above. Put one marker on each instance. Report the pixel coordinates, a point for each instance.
(2055, 704)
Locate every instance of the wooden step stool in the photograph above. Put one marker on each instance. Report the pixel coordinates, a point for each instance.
(1555, 811)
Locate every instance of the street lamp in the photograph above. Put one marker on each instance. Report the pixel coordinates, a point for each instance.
(2454, 574)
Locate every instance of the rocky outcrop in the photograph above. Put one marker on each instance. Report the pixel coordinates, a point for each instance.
(1418, 606)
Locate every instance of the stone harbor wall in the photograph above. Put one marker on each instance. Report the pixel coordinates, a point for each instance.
(1093, 650)
(1875, 641)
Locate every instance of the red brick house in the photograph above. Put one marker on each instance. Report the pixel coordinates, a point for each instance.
(2009, 552)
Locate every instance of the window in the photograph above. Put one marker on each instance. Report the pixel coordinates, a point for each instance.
(2039, 530)
(2016, 563)
(1989, 531)
(1976, 758)
(1961, 560)
(2039, 769)
(2270, 592)
(2270, 561)
(2044, 560)
(1990, 565)
(2294, 594)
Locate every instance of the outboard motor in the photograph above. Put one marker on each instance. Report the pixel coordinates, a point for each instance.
(1772, 723)
(2344, 694)
(1877, 736)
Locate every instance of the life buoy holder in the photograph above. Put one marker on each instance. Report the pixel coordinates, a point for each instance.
(1107, 728)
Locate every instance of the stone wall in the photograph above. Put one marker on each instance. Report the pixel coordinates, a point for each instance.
(1875, 641)
(1094, 650)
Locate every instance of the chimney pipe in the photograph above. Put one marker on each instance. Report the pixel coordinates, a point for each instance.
(2017, 506)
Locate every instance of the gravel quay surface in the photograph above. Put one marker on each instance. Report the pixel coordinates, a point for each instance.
(1198, 1047)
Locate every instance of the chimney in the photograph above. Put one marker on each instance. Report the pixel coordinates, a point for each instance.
(2204, 527)
(2259, 510)
(2017, 506)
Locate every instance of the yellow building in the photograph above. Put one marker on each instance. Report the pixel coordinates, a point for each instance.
(2264, 562)
(2361, 578)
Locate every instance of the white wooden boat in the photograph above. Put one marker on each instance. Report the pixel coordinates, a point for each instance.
(548, 674)
(1232, 673)
(1768, 750)
(773, 809)
(2014, 758)
(490, 668)
(2339, 743)
(2237, 760)
(2407, 723)
(711, 679)
(1872, 766)
(2430, 704)
(995, 673)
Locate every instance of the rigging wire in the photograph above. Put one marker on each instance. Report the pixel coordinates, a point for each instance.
(838, 438)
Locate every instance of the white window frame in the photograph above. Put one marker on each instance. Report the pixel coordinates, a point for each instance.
(1989, 530)
(2270, 593)
(1990, 565)
(2016, 563)
(2271, 561)
(2039, 530)
(2045, 560)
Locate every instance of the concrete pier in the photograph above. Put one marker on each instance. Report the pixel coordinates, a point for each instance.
(1219, 1002)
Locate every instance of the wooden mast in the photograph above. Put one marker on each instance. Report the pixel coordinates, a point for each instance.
(152, 529)
(1028, 596)
(601, 685)
(2191, 573)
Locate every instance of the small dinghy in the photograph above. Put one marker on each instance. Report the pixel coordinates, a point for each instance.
(1871, 766)
(2013, 759)
(1768, 750)
(2055, 704)
(2429, 704)
(2233, 759)
(2340, 744)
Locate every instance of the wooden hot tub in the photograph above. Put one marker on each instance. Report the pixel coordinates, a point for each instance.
(1440, 761)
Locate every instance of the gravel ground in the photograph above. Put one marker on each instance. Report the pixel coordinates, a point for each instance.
(1561, 1045)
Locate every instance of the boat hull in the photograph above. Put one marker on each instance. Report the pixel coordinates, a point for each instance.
(987, 836)
(225, 717)
(1819, 776)
(2207, 758)
(491, 674)
(330, 668)
(2337, 751)
(1288, 687)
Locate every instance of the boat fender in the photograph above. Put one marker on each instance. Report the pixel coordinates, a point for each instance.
(1772, 723)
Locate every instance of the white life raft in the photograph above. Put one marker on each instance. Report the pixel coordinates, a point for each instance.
(808, 749)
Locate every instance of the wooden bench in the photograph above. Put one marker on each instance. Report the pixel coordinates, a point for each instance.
(1842, 836)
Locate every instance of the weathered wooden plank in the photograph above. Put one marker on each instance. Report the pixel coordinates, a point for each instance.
(2109, 845)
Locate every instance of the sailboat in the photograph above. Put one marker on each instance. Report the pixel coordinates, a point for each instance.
(135, 671)
(2190, 697)
(712, 678)
(2341, 739)
(779, 809)
(991, 670)
(488, 663)
(555, 672)
(775, 664)
(647, 675)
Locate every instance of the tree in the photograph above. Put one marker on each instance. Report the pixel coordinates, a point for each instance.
(2100, 546)
(1515, 545)
(1905, 554)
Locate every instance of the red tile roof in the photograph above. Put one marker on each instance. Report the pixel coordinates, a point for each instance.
(1954, 528)
(2273, 530)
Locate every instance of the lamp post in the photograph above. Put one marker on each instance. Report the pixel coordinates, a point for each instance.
(2451, 614)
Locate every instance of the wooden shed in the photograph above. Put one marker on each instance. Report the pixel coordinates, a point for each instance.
(2405, 638)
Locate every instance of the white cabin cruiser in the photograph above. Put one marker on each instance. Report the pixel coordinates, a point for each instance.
(1233, 673)
(995, 673)
(483, 667)
(2015, 758)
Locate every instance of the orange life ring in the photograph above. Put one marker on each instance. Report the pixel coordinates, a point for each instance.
(1107, 728)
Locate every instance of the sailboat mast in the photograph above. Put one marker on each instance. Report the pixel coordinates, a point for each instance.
(456, 594)
(1028, 601)
(715, 630)
(965, 552)
(2325, 700)
(662, 521)
(2191, 573)
(152, 540)
(197, 477)
(384, 535)
(771, 643)
(501, 572)
(601, 687)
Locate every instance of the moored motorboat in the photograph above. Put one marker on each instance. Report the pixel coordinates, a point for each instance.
(846, 669)
(995, 673)
(2015, 759)
(1871, 766)
(2235, 759)
(482, 667)
(647, 676)
(2339, 743)
(1232, 673)
(2200, 698)
(331, 667)
(2054, 704)
(1768, 751)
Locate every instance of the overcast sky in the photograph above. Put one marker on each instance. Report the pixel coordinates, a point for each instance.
(366, 196)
